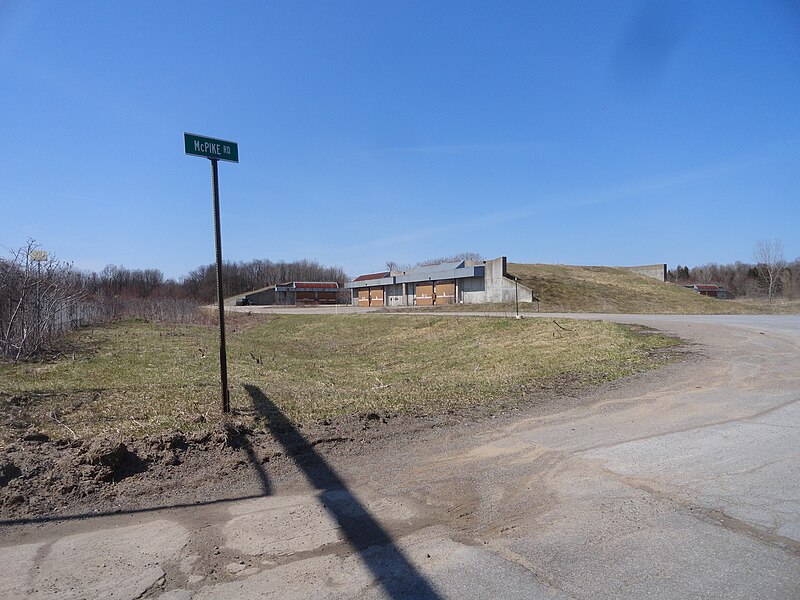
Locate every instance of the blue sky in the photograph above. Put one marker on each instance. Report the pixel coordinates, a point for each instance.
(613, 133)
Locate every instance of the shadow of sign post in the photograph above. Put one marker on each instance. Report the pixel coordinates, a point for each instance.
(393, 570)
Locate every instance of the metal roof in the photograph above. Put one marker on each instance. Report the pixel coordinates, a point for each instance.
(359, 282)
(439, 272)
(443, 271)
(448, 266)
(369, 276)
(707, 287)
(315, 284)
(704, 286)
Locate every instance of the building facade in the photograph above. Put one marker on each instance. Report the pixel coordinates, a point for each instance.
(295, 292)
(463, 282)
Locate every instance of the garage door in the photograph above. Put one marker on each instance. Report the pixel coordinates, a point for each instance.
(363, 297)
(424, 294)
(376, 296)
(306, 298)
(444, 292)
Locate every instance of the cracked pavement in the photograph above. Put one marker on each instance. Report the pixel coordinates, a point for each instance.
(674, 484)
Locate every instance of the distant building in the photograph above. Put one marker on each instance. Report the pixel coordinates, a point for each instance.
(295, 292)
(467, 282)
(709, 289)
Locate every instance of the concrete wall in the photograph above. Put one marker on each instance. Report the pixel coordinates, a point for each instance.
(658, 271)
(471, 290)
(262, 297)
(393, 295)
(495, 286)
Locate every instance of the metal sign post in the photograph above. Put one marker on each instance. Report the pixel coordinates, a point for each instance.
(216, 150)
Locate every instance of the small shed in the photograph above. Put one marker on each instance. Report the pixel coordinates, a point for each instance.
(710, 289)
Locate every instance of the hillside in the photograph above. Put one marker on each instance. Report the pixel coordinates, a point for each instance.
(566, 288)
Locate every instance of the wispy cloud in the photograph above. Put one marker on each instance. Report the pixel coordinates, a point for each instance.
(478, 148)
(625, 191)
(393, 242)
(619, 193)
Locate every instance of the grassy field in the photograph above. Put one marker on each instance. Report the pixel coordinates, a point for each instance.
(566, 288)
(141, 378)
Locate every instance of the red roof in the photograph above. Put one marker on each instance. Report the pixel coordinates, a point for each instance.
(316, 284)
(369, 276)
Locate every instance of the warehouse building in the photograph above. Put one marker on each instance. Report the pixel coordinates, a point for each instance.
(463, 282)
(295, 292)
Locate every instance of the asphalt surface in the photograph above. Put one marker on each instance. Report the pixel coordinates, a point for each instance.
(683, 483)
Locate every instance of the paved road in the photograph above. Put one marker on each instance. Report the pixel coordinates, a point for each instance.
(682, 484)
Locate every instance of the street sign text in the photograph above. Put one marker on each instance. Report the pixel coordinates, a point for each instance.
(198, 145)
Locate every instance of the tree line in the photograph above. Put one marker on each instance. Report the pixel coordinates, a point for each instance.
(769, 275)
(239, 277)
(200, 284)
(42, 297)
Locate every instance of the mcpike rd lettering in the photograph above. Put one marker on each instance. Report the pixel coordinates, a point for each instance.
(198, 145)
(209, 148)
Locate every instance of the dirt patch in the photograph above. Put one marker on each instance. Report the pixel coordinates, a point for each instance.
(43, 479)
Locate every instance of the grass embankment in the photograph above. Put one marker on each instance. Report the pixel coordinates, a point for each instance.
(141, 378)
(567, 288)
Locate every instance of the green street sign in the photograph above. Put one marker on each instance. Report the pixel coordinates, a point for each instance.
(207, 147)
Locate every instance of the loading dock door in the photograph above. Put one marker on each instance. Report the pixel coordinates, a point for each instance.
(306, 298)
(424, 294)
(444, 292)
(316, 297)
(363, 297)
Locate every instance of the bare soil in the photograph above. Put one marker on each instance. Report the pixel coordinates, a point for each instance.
(43, 480)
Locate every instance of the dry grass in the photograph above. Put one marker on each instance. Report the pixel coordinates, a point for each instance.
(566, 288)
(141, 378)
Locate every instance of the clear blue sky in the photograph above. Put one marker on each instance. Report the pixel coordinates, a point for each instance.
(611, 133)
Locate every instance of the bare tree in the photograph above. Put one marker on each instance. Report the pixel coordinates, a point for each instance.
(770, 263)
(245, 276)
(38, 296)
(393, 265)
(454, 258)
